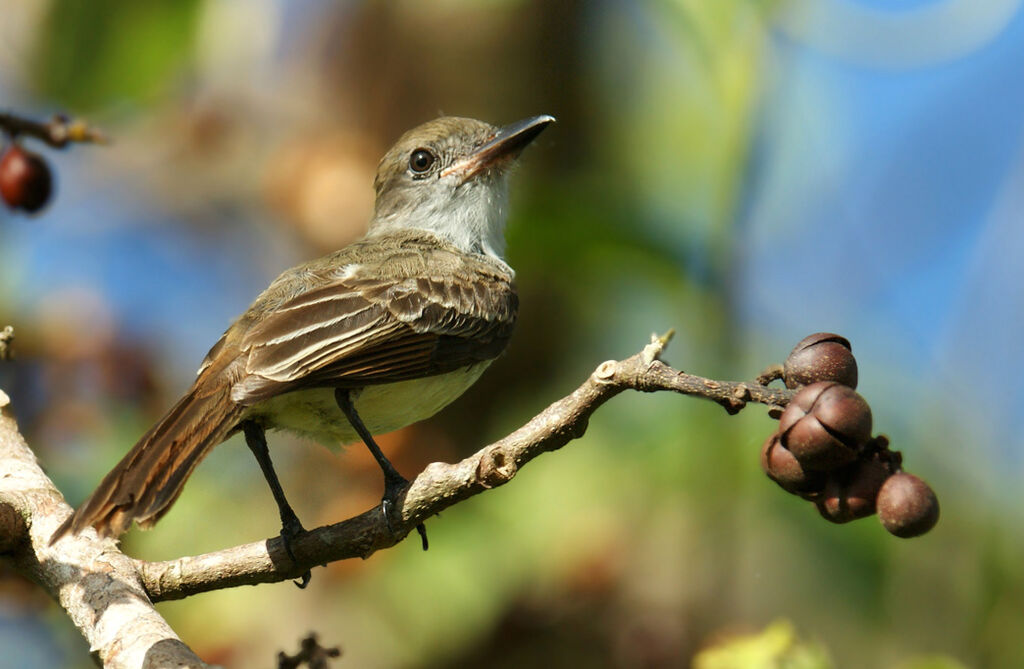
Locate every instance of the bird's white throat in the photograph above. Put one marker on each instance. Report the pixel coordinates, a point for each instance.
(470, 215)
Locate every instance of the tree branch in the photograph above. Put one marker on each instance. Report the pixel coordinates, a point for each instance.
(442, 485)
(58, 132)
(95, 583)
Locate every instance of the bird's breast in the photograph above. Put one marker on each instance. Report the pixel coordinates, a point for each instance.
(315, 415)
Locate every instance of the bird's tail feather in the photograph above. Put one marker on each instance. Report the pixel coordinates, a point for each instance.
(147, 481)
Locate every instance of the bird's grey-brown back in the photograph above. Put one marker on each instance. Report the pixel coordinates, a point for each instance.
(468, 212)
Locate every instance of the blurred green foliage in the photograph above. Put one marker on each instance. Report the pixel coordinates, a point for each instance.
(97, 53)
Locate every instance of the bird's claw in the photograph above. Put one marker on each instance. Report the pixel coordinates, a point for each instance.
(291, 529)
(393, 487)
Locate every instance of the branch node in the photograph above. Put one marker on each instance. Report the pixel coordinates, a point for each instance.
(653, 350)
(771, 373)
(605, 372)
(732, 406)
(495, 468)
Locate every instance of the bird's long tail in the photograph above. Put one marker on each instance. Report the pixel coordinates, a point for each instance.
(146, 482)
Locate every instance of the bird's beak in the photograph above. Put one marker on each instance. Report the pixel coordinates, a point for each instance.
(506, 145)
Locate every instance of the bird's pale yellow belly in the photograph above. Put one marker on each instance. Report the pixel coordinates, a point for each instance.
(315, 415)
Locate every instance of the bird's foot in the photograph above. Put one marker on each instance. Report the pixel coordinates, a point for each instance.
(291, 529)
(394, 486)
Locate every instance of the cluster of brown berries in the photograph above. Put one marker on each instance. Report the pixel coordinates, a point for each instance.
(25, 179)
(823, 450)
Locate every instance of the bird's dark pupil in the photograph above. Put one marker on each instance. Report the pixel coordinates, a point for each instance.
(421, 160)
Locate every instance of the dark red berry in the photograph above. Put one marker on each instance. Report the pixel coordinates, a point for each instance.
(25, 179)
(907, 506)
(821, 357)
(825, 425)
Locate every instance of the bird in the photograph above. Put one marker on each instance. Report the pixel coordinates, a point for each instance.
(378, 335)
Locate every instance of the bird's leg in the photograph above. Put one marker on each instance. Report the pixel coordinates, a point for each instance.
(256, 440)
(394, 483)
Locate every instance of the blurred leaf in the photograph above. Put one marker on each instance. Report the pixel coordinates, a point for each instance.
(776, 647)
(694, 89)
(92, 53)
(932, 662)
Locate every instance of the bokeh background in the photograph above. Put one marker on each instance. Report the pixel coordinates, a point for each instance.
(746, 172)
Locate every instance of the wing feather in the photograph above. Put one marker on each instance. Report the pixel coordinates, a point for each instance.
(429, 311)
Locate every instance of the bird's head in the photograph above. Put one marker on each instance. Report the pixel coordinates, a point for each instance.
(450, 176)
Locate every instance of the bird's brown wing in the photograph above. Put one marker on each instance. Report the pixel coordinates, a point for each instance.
(430, 310)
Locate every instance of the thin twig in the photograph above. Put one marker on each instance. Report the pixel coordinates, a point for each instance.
(58, 132)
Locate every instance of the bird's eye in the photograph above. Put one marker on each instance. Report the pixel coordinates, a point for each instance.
(421, 160)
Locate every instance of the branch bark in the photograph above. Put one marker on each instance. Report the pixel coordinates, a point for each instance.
(92, 580)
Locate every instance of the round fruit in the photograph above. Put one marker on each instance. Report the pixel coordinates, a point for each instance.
(825, 425)
(25, 179)
(821, 357)
(907, 506)
(781, 467)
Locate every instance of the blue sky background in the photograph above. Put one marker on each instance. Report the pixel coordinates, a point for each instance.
(897, 190)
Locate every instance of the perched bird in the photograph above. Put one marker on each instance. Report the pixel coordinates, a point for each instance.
(381, 334)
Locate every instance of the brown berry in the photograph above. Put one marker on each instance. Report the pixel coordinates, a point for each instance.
(821, 357)
(25, 179)
(850, 493)
(825, 425)
(845, 414)
(782, 467)
(816, 449)
(907, 506)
